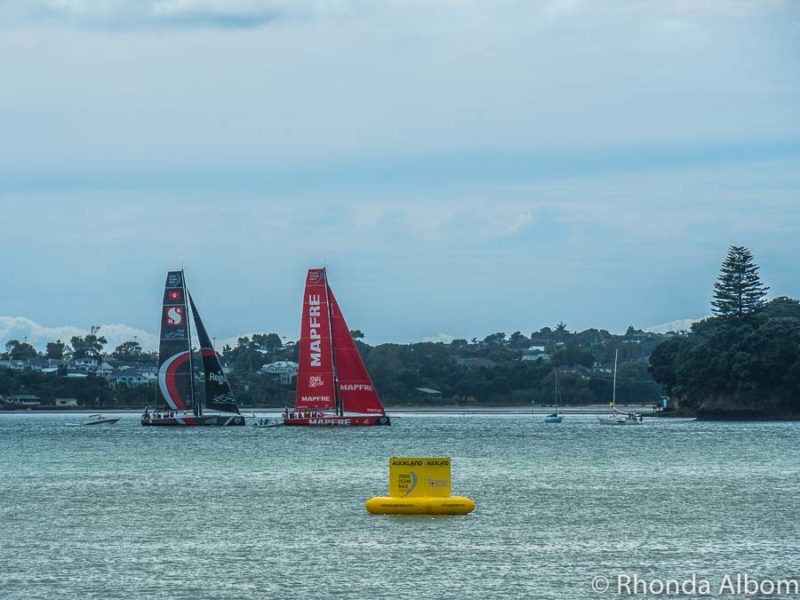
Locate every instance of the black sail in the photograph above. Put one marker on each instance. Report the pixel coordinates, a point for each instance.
(219, 395)
(175, 390)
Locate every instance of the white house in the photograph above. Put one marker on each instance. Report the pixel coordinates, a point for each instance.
(285, 369)
(66, 402)
(90, 365)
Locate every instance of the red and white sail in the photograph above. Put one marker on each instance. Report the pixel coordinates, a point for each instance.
(315, 378)
(356, 392)
(331, 373)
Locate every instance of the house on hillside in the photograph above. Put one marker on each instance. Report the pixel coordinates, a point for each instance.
(66, 402)
(90, 365)
(429, 394)
(476, 363)
(286, 370)
(536, 352)
(131, 377)
(22, 401)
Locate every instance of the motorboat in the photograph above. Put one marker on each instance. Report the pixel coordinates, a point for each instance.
(101, 420)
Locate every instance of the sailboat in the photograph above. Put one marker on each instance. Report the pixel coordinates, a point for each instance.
(333, 385)
(555, 417)
(618, 417)
(177, 403)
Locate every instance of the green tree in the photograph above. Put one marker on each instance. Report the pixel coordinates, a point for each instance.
(495, 338)
(55, 350)
(90, 345)
(267, 342)
(518, 341)
(738, 290)
(130, 350)
(19, 350)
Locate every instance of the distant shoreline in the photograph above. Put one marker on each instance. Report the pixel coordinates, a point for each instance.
(593, 409)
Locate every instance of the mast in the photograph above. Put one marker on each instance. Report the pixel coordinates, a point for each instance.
(557, 391)
(614, 388)
(197, 408)
(336, 394)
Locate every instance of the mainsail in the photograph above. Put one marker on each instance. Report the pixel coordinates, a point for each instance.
(315, 377)
(175, 390)
(219, 395)
(331, 373)
(356, 392)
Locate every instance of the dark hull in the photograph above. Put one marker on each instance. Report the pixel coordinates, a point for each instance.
(192, 421)
(103, 421)
(337, 421)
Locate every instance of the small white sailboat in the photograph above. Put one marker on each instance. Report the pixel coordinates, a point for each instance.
(618, 417)
(555, 417)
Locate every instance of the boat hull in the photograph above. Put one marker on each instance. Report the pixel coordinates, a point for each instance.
(553, 419)
(103, 421)
(337, 421)
(617, 421)
(193, 421)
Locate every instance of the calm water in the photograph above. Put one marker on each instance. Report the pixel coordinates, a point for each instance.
(132, 512)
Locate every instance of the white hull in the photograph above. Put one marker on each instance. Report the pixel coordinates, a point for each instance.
(618, 420)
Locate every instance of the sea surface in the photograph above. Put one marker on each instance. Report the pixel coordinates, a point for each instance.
(130, 512)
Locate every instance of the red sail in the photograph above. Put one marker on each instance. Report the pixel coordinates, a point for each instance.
(356, 391)
(315, 385)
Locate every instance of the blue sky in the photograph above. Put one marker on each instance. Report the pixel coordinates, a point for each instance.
(461, 167)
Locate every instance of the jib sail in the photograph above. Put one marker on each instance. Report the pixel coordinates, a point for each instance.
(219, 395)
(356, 392)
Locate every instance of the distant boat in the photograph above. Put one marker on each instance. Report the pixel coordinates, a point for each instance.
(266, 422)
(333, 385)
(618, 417)
(100, 420)
(555, 417)
(177, 403)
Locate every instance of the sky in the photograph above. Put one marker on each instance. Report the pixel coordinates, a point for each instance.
(461, 167)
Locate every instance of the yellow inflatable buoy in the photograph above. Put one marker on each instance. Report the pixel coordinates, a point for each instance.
(419, 486)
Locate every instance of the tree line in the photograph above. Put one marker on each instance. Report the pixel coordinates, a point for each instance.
(744, 361)
(490, 371)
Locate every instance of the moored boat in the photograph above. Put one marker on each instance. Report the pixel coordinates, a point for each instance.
(555, 418)
(618, 417)
(177, 404)
(334, 388)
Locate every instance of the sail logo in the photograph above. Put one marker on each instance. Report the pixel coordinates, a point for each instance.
(217, 377)
(355, 387)
(175, 316)
(310, 399)
(314, 335)
(175, 295)
(315, 381)
(174, 280)
(177, 334)
(314, 276)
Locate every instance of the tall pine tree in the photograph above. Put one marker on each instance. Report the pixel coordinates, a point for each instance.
(738, 290)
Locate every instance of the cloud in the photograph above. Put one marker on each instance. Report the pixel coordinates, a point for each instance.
(225, 14)
(444, 338)
(135, 14)
(21, 328)
(678, 325)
